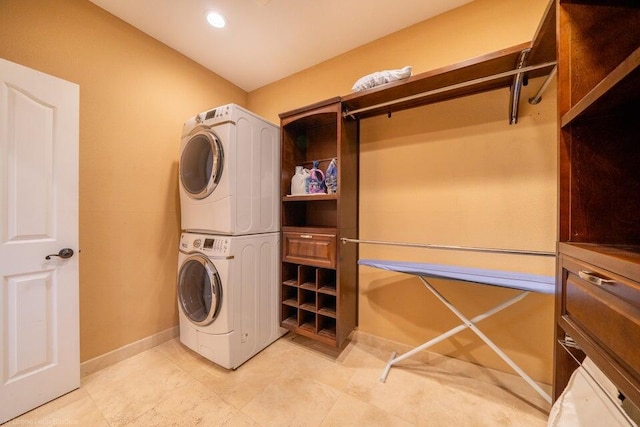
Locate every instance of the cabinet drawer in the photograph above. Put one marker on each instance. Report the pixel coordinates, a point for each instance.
(606, 307)
(309, 248)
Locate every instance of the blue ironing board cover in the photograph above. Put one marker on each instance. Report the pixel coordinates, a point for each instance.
(505, 279)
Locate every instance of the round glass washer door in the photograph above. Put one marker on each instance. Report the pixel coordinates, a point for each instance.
(201, 164)
(199, 290)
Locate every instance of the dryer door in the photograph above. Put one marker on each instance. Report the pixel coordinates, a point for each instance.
(201, 163)
(199, 290)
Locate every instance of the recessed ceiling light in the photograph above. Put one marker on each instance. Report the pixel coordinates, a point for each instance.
(215, 19)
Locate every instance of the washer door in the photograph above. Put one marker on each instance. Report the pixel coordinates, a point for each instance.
(201, 164)
(199, 290)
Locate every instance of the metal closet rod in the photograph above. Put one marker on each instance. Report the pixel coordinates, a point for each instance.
(452, 248)
(538, 96)
(451, 87)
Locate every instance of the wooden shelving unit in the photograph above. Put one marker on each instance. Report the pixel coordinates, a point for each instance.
(598, 294)
(319, 275)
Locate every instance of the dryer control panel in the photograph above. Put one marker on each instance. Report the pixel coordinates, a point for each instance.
(217, 112)
(210, 245)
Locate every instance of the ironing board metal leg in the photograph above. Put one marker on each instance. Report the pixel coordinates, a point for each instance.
(383, 377)
(448, 334)
(486, 339)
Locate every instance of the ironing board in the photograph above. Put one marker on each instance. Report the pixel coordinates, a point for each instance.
(526, 283)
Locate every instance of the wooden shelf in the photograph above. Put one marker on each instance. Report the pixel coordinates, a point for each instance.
(311, 327)
(310, 116)
(310, 197)
(290, 322)
(445, 82)
(543, 46)
(314, 229)
(619, 89)
(328, 289)
(328, 332)
(308, 285)
(308, 307)
(293, 302)
(327, 311)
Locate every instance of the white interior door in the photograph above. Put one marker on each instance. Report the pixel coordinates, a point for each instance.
(39, 316)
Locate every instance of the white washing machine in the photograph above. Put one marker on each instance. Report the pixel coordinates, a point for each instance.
(228, 295)
(230, 173)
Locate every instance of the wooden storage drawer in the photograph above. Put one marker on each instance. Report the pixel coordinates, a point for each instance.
(606, 308)
(308, 246)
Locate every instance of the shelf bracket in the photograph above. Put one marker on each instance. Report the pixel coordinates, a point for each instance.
(538, 96)
(346, 113)
(516, 87)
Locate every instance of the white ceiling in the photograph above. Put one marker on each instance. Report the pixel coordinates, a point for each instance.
(267, 40)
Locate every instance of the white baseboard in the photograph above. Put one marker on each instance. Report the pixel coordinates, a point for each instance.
(122, 353)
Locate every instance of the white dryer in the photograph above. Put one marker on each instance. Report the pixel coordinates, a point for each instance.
(230, 173)
(228, 295)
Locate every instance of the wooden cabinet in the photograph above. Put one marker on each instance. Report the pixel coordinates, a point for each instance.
(598, 295)
(312, 246)
(319, 274)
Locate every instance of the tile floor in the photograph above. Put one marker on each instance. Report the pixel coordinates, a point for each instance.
(293, 382)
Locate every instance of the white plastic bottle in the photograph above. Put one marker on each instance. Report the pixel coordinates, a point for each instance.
(299, 181)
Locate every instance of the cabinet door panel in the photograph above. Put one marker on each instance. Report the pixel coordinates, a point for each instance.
(310, 249)
(606, 307)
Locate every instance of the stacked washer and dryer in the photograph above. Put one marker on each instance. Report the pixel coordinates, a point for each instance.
(228, 269)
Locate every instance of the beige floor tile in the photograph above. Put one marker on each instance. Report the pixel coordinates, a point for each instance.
(193, 405)
(362, 356)
(249, 380)
(278, 348)
(401, 394)
(177, 352)
(349, 411)
(79, 412)
(457, 370)
(141, 362)
(463, 401)
(307, 364)
(43, 411)
(126, 399)
(292, 401)
(83, 412)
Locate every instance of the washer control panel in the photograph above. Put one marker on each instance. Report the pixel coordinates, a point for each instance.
(210, 245)
(215, 116)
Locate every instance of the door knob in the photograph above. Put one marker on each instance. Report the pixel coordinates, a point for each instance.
(64, 253)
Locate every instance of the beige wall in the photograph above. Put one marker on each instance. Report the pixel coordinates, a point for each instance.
(135, 93)
(453, 173)
(450, 173)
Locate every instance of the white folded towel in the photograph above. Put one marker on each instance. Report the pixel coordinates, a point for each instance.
(381, 77)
